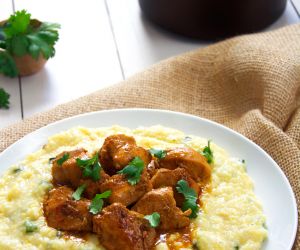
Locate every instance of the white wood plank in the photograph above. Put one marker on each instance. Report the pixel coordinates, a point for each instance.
(141, 44)
(86, 58)
(11, 86)
(289, 17)
(296, 4)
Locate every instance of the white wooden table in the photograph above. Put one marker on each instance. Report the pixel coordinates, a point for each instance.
(101, 42)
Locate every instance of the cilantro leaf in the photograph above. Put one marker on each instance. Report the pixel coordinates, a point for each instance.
(91, 167)
(43, 40)
(97, 203)
(208, 154)
(133, 170)
(64, 158)
(77, 194)
(7, 64)
(4, 99)
(158, 153)
(30, 227)
(190, 197)
(18, 23)
(154, 219)
(22, 35)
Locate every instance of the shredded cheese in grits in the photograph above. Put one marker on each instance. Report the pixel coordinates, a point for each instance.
(231, 217)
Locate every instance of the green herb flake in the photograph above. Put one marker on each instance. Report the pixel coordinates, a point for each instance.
(17, 170)
(64, 158)
(243, 161)
(236, 247)
(158, 153)
(51, 160)
(97, 203)
(154, 219)
(90, 167)
(208, 154)
(4, 99)
(30, 227)
(77, 194)
(190, 197)
(133, 171)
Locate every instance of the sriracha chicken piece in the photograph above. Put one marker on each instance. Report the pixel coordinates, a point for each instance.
(119, 228)
(169, 178)
(123, 192)
(68, 173)
(64, 213)
(118, 151)
(93, 187)
(162, 201)
(189, 159)
(152, 167)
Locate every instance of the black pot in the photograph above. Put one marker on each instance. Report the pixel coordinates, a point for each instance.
(213, 19)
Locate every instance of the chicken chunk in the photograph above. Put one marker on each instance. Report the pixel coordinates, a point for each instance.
(68, 173)
(93, 187)
(64, 213)
(169, 178)
(162, 201)
(123, 192)
(118, 150)
(152, 167)
(189, 159)
(119, 228)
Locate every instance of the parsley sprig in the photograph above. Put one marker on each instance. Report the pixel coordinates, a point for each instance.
(158, 153)
(133, 170)
(190, 198)
(208, 153)
(91, 167)
(77, 194)
(97, 203)
(64, 158)
(4, 97)
(22, 35)
(154, 219)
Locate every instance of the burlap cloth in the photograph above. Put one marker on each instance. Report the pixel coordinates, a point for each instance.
(249, 83)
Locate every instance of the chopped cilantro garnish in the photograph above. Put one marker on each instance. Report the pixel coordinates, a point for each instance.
(17, 170)
(243, 161)
(207, 152)
(51, 159)
(97, 202)
(91, 167)
(63, 159)
(30, 227)
(158, 153)
(133, 170)
(154, 219)
(77, 194)
(190, 197)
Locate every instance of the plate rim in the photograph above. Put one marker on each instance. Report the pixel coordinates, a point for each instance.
(241, 136)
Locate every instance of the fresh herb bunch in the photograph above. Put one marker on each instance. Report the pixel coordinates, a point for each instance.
(21, 36)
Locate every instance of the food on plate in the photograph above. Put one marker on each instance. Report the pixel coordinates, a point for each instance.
(141, 189)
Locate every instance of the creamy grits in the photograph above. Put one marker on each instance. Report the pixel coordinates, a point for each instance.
(231, 217)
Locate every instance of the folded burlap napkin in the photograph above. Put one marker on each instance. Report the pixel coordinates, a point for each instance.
(249, 83)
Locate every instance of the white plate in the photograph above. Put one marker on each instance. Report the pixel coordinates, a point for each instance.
(271, 185)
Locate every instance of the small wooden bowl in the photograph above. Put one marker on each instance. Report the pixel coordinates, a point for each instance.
(27, 65)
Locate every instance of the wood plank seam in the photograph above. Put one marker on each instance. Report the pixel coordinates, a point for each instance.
(114, 38)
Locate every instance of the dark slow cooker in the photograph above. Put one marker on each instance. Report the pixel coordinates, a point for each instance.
(213, 19)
